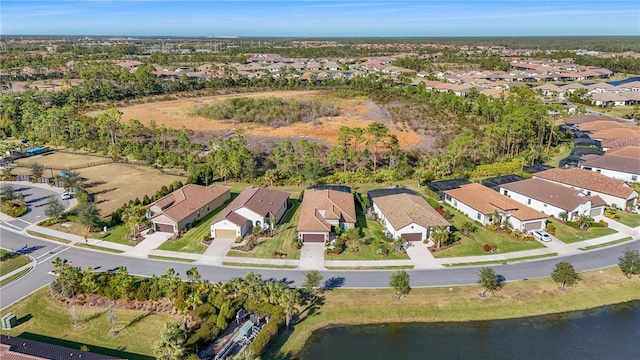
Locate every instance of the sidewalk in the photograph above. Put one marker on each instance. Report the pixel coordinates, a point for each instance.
(420, 258)
(18, 270)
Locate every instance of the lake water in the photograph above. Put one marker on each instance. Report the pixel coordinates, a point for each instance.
(611, 332)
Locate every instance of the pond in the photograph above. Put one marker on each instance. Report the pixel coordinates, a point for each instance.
(611, 332)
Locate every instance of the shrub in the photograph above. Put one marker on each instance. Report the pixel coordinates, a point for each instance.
(14, 210)
(551, 229)
(434, 204)
(492, 227)
(603, 223)
(489, 248)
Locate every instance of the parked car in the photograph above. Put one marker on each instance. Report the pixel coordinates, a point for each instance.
(65, 195)
(541, 235)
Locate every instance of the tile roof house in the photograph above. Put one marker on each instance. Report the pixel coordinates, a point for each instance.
(181, 208)
(615, 166)
(17, 348)
(614, 192)
(253, 207)
(627, 151)
(322, 210)
(553, 199)
(405, 214)
(480, 203)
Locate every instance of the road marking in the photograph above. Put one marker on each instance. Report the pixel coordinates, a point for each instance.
(13, 226)
(58, 253)
(50, 252)
(24, 221)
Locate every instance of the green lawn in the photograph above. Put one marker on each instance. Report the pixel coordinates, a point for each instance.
(41, 318)
(370, 229)
(563, 151)
(631, 220)
(282, 242)
(568, 235)
(117, 234)
(191, 241)
(10, 261)
(472, 245)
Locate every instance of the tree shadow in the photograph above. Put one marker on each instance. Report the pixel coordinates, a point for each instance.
(333, 283)
(92, 184)
(137, 320)
(95, 316)
(24, 319)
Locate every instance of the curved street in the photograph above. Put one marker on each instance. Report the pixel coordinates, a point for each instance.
(45, 251)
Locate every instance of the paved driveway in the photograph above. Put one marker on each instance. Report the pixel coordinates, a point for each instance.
(421, 256)
(312, 256)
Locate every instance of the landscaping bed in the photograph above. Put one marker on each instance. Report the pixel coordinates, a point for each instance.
(10, 261)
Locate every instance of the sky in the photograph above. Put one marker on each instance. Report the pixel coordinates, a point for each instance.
(366, 18)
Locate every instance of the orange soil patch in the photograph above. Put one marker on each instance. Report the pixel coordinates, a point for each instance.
(178, 113)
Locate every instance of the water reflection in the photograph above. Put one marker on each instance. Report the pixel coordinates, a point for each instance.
(611, 332)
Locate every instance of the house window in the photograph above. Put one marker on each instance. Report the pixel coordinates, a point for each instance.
(505, 192)
(455, 202)
(545, 205)
(479, 216)
(588, 193)
(615, 206)
(634, 177)
(528, 201)
(598, 171)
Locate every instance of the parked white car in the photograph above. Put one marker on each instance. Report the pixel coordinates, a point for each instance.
(541, 235)
(65, 195)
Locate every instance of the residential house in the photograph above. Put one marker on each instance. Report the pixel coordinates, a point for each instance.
(254, 207)
(553, 199)
(616, 193)
(322, 210)
(179, 210)
(405, 214)
(482, 204)
(615, 166)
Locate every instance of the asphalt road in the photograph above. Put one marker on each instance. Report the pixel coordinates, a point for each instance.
(36, 200)
(45, 252)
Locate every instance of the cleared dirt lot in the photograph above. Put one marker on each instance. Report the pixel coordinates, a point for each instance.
(354, 112)
(113, 184)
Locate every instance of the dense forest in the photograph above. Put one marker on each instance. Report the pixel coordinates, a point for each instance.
(478, 130)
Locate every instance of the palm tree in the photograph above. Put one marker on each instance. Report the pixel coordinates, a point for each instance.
(564, 216)
(468, 227)
(88, 215)
(585, 221)
(289, 299)
(439, 234)
(134, 216)
(171, 344)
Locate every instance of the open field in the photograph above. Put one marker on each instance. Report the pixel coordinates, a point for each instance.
(41, 318)
(353, 112)
(110, 191)
(58, 160)
(517, 299)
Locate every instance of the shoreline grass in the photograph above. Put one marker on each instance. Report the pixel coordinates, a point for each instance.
(442, 304)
